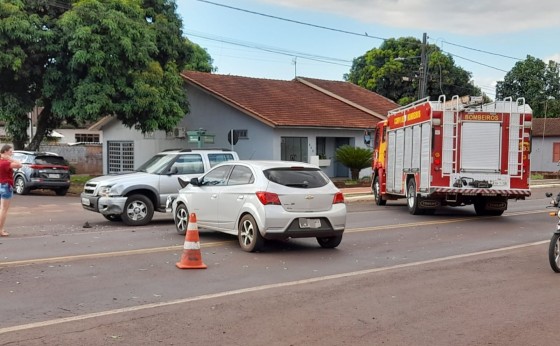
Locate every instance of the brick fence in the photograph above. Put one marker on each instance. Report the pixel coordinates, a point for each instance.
(86, 158)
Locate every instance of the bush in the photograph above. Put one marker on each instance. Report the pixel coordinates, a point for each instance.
(354, 158)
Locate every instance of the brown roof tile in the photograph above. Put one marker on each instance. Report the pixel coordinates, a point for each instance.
(551, 127)
(296, 102)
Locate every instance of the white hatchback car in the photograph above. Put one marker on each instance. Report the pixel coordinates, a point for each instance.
(258, 200)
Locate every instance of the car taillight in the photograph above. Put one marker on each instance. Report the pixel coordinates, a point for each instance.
(338, 198)
(48, 167)
(267, 198)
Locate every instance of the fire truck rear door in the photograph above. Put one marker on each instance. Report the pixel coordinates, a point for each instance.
(480, 147)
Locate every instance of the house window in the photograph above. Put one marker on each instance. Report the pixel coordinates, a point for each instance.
(555, 152)
(242, 134)
(87, 137)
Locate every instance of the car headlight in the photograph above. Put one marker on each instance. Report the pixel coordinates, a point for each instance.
(105, 191)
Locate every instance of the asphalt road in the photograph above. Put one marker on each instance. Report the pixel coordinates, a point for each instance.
(396, 279)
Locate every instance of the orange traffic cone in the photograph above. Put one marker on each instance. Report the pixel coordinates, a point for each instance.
(191, 257)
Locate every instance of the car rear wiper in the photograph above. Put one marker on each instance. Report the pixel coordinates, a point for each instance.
(305, 185)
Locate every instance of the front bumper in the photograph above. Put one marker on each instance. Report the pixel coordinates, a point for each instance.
(103, 205)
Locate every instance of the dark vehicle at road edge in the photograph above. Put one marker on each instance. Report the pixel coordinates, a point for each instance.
(41, 170)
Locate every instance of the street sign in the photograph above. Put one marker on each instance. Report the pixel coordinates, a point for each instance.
(233, 137)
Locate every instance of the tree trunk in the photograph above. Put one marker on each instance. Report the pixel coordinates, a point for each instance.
(355, 173)
(42, 127)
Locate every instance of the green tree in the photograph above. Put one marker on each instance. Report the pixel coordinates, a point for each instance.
(536, 81)
(354, 158)
(24, 37)
(85, 59)
(393, 70)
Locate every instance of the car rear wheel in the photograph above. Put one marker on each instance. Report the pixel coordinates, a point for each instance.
(138, 210)
(19, 186)
(181, 219)
(250, 238)
(329, 242)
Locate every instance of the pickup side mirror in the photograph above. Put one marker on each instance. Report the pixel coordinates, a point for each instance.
(195, 182)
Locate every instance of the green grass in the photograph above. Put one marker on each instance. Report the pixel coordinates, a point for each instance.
(80, 178)
(77, 182)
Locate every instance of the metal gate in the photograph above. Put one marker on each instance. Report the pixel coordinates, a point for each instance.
(120, 156)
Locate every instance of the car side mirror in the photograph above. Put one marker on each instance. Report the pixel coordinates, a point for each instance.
(195, 182)
(173, 170)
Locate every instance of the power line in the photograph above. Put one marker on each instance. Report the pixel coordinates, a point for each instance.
(482, 51)
(476, 62)
(294, 21)
(313, 57)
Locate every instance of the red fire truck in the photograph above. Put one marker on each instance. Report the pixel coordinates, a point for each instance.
(453, 153)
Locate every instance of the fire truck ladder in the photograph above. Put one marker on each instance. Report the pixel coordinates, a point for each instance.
(517, 124)
(449, 149)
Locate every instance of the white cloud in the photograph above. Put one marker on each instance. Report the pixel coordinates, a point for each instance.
(554, 57)
(475, 17)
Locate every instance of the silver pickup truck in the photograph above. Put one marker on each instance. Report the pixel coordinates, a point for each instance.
(132, 197)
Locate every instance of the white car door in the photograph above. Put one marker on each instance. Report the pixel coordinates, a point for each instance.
(232, 197)
(203, 199)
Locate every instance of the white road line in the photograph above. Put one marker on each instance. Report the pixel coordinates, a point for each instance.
(255, 289)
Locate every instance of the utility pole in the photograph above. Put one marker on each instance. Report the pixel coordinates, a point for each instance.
(423, 69)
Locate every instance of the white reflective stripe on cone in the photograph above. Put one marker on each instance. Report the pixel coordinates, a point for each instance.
(191, 245)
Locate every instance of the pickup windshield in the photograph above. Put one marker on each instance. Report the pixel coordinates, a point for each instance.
(157, 164)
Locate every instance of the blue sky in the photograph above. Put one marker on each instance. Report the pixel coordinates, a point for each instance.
(247, 44)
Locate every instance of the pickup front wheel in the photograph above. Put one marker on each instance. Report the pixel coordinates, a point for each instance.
(138, 211)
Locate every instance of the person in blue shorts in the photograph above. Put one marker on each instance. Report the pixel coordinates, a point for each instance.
(7, 165)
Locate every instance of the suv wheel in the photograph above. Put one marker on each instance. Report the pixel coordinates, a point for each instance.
(19, 186)
(138, 210)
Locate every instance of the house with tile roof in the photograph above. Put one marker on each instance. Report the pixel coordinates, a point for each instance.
(545, 145)
(303, 119)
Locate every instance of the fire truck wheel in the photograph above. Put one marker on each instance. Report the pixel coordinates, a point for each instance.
(412, 198)
(377, 192)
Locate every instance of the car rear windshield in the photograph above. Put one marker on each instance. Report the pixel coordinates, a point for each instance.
(50, 160)
(305, 178)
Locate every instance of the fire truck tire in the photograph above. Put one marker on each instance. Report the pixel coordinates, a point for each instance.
(377, 192)
(412, 198)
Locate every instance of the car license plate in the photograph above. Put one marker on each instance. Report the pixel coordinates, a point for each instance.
(85, 201)
(51, 175)
(309, 223)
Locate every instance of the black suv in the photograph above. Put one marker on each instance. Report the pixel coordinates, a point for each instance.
(41, 170)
